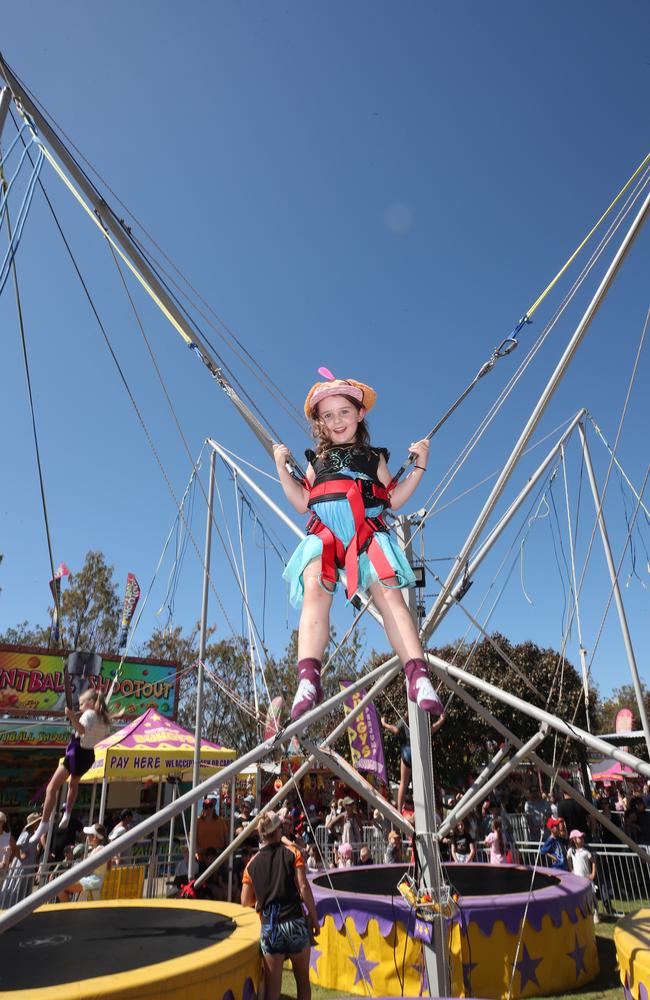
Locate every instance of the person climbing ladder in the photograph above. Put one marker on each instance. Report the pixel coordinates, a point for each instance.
(347, 488)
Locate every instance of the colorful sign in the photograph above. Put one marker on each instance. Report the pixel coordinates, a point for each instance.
(364, 732)
(624, 721)
(154, 746)
(29, 736)
(31, 683)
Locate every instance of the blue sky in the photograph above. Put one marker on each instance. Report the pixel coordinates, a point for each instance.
(379, 188)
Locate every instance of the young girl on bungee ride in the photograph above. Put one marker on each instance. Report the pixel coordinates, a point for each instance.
(91, 724)
(347, 488)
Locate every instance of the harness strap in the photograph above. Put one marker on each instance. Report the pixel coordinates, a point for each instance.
(373, 494)
(337, 555)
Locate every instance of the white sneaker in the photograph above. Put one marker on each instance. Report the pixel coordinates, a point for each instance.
(64, 821)
(42, 828)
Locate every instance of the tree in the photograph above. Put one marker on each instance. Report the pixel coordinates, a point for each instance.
(465, 743)
(624, 697)
(90, 612)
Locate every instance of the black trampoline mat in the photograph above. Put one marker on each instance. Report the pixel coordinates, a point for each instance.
(57, 946)
(467, 880)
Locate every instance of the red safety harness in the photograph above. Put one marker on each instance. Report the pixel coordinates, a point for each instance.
(360, 493)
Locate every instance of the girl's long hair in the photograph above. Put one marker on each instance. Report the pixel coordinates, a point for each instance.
(100, 705)
(322, 438)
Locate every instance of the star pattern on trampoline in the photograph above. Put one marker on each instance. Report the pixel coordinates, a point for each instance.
(527, 968)
(314, 955)
(578, 956)
(363, 966)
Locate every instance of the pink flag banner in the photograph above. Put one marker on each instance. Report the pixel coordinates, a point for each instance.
(131, 598)
(364, 732)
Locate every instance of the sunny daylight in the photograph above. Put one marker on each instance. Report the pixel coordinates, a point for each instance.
(325, 519)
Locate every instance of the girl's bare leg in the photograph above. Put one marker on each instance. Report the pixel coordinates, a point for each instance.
(272, 976)
(300, 966)
(404, 778)
(314, 628)
(59, 778)
(403, 635)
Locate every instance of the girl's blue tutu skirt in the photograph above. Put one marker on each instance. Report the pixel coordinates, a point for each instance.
(336, 514)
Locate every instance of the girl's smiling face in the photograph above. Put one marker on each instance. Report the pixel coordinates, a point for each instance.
(341, 419)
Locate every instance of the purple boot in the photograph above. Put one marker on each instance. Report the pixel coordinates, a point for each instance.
(420, 688)
(310, 692)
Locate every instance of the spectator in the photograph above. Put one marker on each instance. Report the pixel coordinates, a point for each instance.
(276, 885)
(7, 843)
(345, 856)
(314, 859)
(574, 815)
(348, 824)
(537, 811)
(554, 848)
(65, 837)
(66, 862)
(215, 886)
(89, 886)
(463, 846)
(125, 823)
(211, 830)
(393, 853)
(634, 820)
(180, 876)
(582, 862)
(495, 841)
(365, 857)
(22, 869)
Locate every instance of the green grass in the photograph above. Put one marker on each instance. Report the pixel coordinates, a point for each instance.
(607, 985)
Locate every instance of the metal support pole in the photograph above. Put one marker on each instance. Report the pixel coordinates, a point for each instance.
(5, 101)
(233, 792)
(536, 415)
(627, 639)
(93, 796)
(547, 769)
(198, 725)
(476, 786)
(153, 881)
(102, 801)
(446, 670)
(382, 674)
(425, 808)
(461, 810)
(170, 846)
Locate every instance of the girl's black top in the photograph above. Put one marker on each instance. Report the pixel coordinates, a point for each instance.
(338, 462)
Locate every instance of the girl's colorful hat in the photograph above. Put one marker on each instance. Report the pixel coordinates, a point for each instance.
(338, 387)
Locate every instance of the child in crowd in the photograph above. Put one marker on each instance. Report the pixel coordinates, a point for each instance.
(314, 859)
(347, 488)
(91, 724)
(345, 856)
(496, 843)
(463, 846)
(582, 862)
(393, 852)
(90, 886)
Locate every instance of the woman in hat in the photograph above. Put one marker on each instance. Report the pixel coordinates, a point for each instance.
(89, 886)
(347, 488)
(275, 883)
(23, 867)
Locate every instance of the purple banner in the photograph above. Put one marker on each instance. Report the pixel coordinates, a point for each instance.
(364, 732)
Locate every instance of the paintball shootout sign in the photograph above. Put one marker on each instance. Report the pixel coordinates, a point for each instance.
(31, 683)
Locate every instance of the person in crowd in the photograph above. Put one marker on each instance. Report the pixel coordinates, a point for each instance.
(365, 857)
(7, 844)
(345, 859)
(211, 830)
(19, 879)
(393, 852)
(574, 815)
(314, 859)
(645, 794)
(582, 862)
(496, 843)
(552, 801)
(124, 823)
(347, 825)
(463, 847)
(89, 886)
(554, 847)
(91, 724)
(275, 883)
(621, 801)
(181, 870)
(215, 886)
(537, 811)
(402, 732)
(61, 839)
(635, 820)
(64, 864)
